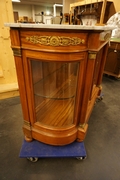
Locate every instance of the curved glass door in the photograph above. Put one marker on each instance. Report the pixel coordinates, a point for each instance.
(54, 85)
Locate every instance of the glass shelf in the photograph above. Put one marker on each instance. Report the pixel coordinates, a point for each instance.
(66, 91)
(53, 87)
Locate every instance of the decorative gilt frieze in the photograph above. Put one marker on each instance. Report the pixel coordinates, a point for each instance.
(92, 55)
(17, 51)
(27, 123)
(82, 125)
(55, 40)
(99, 86)
(105, 36)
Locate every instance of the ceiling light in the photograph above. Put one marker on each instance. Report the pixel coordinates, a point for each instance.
(15, 0)
(47, 12)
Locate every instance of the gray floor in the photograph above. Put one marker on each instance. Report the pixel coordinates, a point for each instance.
(102, 144)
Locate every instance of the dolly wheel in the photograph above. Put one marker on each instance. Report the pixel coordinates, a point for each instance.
(80, 158)
(33, 159)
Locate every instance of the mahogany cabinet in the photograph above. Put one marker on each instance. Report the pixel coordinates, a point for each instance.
(112, 65)
(59, 70)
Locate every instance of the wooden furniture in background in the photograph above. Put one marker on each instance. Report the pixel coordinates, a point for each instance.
(112, 65)
(59, 74)
(66, 18)
(16, 16)
(102, 10)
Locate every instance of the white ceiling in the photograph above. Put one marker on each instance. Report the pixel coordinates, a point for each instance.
(41, 2)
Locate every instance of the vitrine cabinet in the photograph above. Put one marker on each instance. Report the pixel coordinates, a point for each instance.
(59, 71)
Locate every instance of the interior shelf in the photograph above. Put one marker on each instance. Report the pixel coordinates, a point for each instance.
(66, 91)
(58, 84)
(57, 113)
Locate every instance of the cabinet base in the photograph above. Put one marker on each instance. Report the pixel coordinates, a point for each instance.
(56, 138)
(82, 131)
(28, 139)
(112, 74)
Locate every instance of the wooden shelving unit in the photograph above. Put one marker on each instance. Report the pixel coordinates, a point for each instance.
(112, 65)
(101, 9)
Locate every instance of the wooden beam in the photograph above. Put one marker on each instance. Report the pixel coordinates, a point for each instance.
(103, 12)
(82, 2)
(8, 90)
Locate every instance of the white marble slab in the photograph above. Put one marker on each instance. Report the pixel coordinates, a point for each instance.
(58, 26)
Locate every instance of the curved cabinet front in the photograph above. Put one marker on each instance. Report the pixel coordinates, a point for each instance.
(52, 82)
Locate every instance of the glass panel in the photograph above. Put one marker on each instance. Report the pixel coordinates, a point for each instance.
(54, 85)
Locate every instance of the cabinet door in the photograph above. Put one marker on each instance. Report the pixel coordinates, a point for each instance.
(54, 91)
(54, 86)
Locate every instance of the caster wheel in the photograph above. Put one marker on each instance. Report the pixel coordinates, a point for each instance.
(117, 78)
(80, 158)
(33, 159)
(100, 98)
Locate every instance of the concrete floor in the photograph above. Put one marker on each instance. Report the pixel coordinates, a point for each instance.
(102, 144)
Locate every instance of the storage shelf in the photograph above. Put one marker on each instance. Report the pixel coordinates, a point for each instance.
(66, 91)
(57, 113)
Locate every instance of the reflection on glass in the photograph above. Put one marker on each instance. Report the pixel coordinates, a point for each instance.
(54, 86)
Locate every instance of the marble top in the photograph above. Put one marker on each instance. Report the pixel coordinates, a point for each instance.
(59, 26)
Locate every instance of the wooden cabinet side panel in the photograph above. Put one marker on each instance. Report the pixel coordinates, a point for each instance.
(87, 88)
(29, 87)
(102, 65)
(97, 71)
(94, 41)
(80, 89)
(22, 89)
(15, 37)
(15, 42)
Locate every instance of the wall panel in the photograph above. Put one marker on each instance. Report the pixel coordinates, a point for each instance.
(8, 79)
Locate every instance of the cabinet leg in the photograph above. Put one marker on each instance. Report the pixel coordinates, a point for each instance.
(28, 139)
(27, 131)
(82, 131)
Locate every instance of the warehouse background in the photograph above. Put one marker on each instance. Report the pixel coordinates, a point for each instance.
(8, 79)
